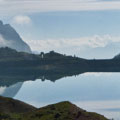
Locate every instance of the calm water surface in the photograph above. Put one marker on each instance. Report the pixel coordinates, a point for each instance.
(95, 92)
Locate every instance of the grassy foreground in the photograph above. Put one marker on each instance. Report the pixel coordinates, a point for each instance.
(11, 109)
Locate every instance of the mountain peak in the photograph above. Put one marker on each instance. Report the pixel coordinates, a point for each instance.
(10, 38)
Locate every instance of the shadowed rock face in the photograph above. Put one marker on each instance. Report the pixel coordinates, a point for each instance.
(10, 38)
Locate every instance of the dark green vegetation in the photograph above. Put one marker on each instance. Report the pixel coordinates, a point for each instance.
(11, 109)
(20, 66)
(8, 105)
(10, 59)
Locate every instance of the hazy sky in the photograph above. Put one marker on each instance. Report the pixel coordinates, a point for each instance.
(66, 26)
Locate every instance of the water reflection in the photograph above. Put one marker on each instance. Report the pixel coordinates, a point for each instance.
(10, 91)
(97, 92)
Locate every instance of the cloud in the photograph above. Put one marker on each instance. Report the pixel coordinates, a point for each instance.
(2, 89)
(72, 44)
(21, 19)
(8, 7)
(4, 42)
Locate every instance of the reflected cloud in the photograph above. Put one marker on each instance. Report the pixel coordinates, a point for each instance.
(2, 89)
(10, 91)
(97, 74)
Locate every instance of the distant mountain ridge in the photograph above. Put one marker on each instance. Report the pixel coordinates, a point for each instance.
(7, 53)
(10, 38)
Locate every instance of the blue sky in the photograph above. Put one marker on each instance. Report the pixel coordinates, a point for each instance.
(66, 26)
(75, 24)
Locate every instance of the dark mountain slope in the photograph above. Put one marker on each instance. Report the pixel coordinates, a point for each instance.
(9, 105)
(7, 54)
(10, 38)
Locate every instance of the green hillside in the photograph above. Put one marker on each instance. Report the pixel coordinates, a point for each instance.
(11, 109)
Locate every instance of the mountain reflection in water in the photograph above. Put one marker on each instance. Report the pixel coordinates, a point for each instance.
(11, 84)
(96, 92)
(10, 91)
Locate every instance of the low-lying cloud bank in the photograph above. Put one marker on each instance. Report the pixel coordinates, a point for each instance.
(96, 46)
(81, 43)
(3, 42)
